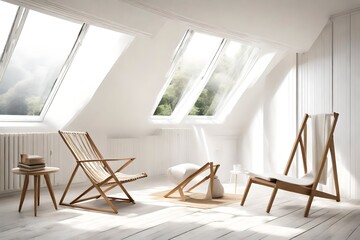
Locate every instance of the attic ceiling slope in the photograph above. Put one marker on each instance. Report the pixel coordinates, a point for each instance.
(112, 14)
(291, 23)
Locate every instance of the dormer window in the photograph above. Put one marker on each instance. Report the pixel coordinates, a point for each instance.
(208, 75)
(34, 56)
(45, 62)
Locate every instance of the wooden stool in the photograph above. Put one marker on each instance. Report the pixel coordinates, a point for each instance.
(37, 173)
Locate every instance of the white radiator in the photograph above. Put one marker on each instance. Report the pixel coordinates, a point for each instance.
(48, 145)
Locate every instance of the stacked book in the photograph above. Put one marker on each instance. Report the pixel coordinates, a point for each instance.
(31, 163)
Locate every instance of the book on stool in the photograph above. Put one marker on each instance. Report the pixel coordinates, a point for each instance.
(31, 162)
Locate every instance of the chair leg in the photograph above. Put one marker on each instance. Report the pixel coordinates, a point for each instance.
(126, 192)
(308, 205)
(68, 185)
(272, 198)
(48, 184)
(23, 193)
(197, 184)
(246, 191)
(336, 181)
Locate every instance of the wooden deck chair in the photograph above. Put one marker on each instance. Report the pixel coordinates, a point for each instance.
(97, 170)
(323, 127)
(181, 186)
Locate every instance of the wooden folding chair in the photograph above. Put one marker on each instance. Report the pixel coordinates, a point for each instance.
(181, 186)
(307, 184)
(97, 170)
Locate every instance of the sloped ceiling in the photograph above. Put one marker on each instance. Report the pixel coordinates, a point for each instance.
(292, 23)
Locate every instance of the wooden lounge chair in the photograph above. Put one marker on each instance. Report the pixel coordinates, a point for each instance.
(97, 169)
(181, 186)
(323, 126)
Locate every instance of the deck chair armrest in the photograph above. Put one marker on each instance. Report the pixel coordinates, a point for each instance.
(108, 160)
(92, 160)
(128, 161)
(119, 159)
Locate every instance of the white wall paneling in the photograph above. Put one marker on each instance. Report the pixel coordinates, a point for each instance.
(329, 80)
(143, 149)
(315, 74)
(355, 104)
(172, 146)
(342, 99)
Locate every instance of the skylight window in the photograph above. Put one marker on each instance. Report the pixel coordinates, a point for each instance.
(45, 61)
(40, 53)
(197, 53)
(230, 70)
(209, 73)
(36, 49)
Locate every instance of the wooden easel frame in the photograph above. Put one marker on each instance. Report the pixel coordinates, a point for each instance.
(181, 186)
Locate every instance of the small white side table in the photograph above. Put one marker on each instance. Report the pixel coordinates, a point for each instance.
(236, 173)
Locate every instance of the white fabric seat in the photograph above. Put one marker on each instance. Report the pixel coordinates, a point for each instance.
(306, 180)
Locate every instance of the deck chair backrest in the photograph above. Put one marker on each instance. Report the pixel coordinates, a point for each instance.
(321, 125)
(314, 151)
(83, 148)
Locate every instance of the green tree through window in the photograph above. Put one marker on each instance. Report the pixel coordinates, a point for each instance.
(192, 62)
(204, 60)
(43, 46)
(229, 71)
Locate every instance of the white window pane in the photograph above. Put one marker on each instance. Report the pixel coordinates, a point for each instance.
(42, 49)
(98, 52)
(231, 68)
(192, 64)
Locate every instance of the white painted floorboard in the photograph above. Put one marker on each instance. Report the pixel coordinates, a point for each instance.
(153, 219)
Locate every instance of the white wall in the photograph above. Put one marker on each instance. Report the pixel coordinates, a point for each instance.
(172, 146)
(265, 144)
(315, 75)
(346, 93)
(329, 81)
(123, 104)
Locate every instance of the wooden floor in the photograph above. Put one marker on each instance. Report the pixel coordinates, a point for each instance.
(153, 219)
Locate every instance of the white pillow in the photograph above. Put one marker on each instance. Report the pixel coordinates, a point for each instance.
(180, 172)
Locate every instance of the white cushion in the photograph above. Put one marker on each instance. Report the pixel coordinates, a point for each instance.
(306, 180)
(180, 172)
(218, 189)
